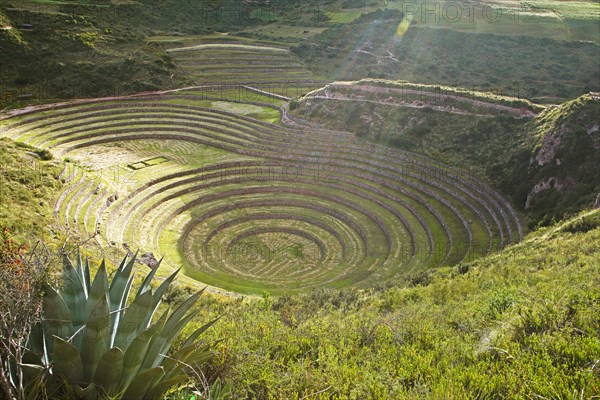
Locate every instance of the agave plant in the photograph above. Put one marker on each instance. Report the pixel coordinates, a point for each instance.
(95, 341)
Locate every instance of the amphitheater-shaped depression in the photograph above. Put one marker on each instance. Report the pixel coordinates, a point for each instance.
(248, 205)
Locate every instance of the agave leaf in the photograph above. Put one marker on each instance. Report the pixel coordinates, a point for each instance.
(79, 267)
(117, 315)
(181, 310)
(143, 383)
(219, 391)
(35, 341)
(12, 370)
(32, 372)
(31, 358)
(163, 342)
(136, 352)
(158, 391)
(73, 293)
(174, 364)
(98, 289)
(66, 361)
(89, 393)
(37, 383)
(119, 284)
(175, 331)
(110, 370)
(133, 320)
(134, 356)
(119, 293)
(57, 318)
(95, 338)
(201, 355)
(118, 272)
(159, 293)
(168, 333)
(198, 332)
(148, 280)
(86, 275)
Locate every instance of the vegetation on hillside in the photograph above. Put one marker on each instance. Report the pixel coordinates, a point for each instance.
(73, 53)
(91, 341)
(547, 163)
(564, 164)
(522, 323)
(28, 185)
(69, 49)
(519, 66)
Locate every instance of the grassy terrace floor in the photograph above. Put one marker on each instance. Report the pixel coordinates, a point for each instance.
(239, 61)
(248, 205)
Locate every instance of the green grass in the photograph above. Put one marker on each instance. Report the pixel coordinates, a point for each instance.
(518, 324)
(343, 17)
(282, 32)
(28, 186)
(261, 113)
(371, 46)
(236, 61)
(240, 94)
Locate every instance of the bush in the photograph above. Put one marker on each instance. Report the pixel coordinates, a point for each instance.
(20, 309)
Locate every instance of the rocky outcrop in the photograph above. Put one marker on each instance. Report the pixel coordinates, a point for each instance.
(111, 199)
(597, 202)
(128, 250)
(553, 183)
(594, 132)
(148, 259)
(550, 143)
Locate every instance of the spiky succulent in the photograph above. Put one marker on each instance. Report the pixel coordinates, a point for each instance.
(98, 343)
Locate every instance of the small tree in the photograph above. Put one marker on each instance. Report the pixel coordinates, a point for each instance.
(20, 310)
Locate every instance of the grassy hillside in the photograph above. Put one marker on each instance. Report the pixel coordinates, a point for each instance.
(565, 161)
(519, 324)
(515, 144)
(28, 186)
(72, 51)
(65, 49)
(374, 45)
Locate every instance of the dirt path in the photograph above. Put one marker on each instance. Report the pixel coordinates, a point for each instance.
(451, 110)
(268, 94)
(479, 103)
